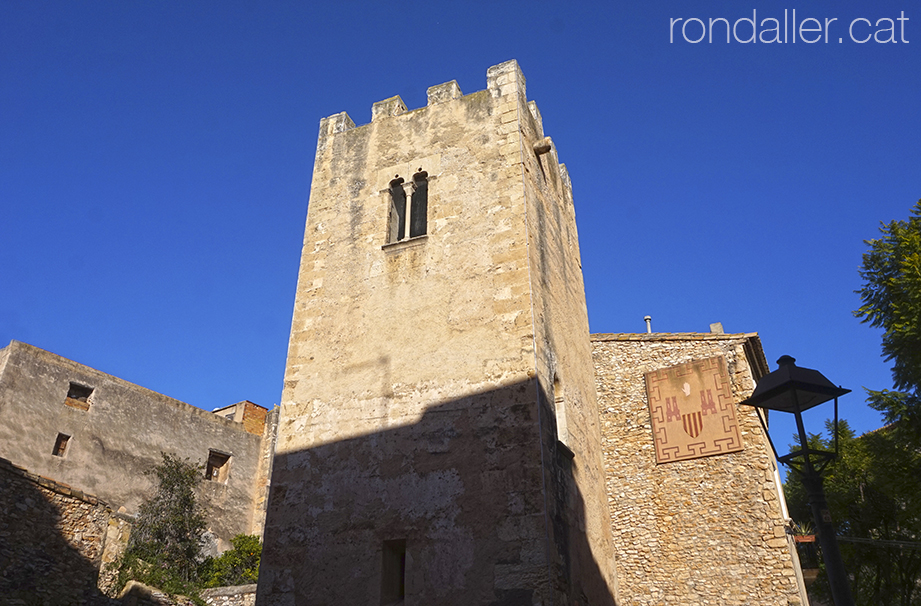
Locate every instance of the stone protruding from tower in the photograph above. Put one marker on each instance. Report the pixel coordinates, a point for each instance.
(543, 146)
(393, 106)
(444, 92)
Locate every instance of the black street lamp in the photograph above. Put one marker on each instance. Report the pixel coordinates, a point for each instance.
(793, 389)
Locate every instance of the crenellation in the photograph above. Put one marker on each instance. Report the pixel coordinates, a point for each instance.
(505, 79)
(337, 123)
(443, 92)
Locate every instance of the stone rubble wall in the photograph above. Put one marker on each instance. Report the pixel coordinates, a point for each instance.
(237, 595)
(52, 540)
(702, 531)
(139, 594)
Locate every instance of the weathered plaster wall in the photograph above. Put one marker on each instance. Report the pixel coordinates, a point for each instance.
(119, 436)
(413, 392)
(701, 531)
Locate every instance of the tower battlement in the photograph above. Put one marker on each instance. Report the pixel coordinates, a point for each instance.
(501, 80)
(519, 131)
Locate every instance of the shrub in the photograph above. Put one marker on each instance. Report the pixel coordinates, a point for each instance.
(238, 566)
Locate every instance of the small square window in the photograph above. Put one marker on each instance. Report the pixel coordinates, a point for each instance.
(218, 466)
(60, 445)
(78, 396)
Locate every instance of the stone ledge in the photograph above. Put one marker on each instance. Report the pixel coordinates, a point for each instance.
(671, 336)
(406, 243)
(49, 484)
(230, 590)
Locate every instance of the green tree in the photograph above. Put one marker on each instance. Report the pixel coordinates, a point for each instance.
(873, 496)
(237, 566)
(165, 549)
(891, 300)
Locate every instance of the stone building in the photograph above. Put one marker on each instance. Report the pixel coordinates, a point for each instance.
(446, 436)
(99, 435)
(450, 432)
(696, 520)
(438, 440)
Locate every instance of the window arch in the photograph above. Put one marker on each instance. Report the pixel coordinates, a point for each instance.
(408, 220)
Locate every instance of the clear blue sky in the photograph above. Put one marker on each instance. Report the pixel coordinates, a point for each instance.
(155, 162)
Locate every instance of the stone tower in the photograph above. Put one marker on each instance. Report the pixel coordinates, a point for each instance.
(438, 441)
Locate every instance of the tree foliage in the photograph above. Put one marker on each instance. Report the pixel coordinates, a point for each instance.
(891, 300)
(873, 495)
(165, 549)
(238, 566)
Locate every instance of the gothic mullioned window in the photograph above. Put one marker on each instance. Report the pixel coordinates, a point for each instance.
(408, 220)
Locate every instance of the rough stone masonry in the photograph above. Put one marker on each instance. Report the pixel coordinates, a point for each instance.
(709, 530)
(438, 440)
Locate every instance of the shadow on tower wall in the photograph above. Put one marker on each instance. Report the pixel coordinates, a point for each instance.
(472, 503)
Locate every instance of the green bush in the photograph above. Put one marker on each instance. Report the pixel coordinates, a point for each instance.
(238, 566)
(166, 541)
(165, 550)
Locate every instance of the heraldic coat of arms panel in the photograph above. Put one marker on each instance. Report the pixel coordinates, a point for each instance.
(693, 412)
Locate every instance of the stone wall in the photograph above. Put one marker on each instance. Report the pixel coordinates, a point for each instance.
(55, 543)
(115, 434)
(238, 595)
(138, 594)
(707, 530)
(53, 540)
(418, 407)
(573, 470)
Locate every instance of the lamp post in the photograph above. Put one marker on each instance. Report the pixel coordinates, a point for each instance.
(794, 390)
